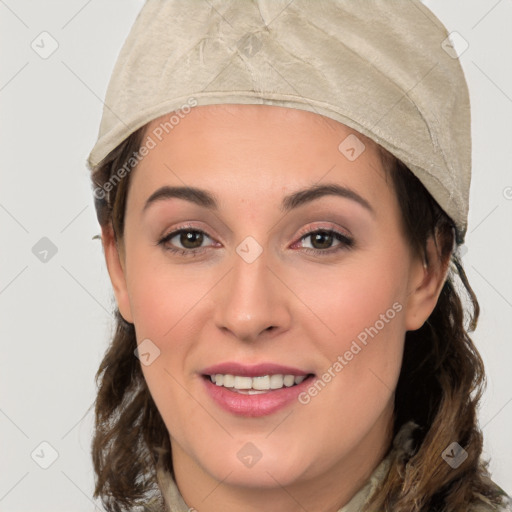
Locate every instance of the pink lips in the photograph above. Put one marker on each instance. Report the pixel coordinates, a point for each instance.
(254, 405)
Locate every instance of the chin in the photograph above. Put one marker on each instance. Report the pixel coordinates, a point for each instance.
(265, 476)
(271, 470)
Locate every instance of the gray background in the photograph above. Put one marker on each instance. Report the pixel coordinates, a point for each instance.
(56, 319)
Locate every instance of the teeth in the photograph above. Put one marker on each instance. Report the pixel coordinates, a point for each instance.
(299, 379)
(242, 382)
(276, 381)
(228, 381)
(289, 380)
(261, 382)
(255, 385)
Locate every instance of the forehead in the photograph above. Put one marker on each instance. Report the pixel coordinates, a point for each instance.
(257, 116)
(265, 149)
(273, 126)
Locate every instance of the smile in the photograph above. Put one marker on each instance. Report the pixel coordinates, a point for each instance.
(257, 396)
(255, 385)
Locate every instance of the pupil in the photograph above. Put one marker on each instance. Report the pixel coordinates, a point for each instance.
(327, 237)
(188, 236)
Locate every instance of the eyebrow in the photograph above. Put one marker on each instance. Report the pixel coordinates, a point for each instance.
(292, 201)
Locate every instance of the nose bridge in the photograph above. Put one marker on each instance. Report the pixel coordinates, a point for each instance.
(251, 298)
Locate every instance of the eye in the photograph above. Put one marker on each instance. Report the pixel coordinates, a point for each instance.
(322, 241)
(190, 239)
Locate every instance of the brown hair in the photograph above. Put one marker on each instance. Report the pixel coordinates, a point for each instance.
(440, 384)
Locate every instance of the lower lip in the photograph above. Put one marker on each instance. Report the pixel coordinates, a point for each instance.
(261, 404)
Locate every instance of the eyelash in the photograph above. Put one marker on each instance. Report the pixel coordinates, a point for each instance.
(346, 242)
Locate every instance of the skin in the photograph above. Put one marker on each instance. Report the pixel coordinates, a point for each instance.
(288, 306)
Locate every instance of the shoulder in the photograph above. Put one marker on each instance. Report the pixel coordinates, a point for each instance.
(154, 505)
(483, 507)
(504, 506)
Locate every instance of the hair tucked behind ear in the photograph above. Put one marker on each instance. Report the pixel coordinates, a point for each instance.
(439, 388)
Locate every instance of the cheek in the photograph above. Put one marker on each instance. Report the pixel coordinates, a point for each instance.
(161, 294)
(359, 328)
(164, 301)
(161, 303)
(347, 299)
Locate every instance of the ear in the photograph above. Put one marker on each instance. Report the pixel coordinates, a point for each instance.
(116, 269)
(427, 281)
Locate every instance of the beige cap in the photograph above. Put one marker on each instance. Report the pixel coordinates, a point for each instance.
(385, 68)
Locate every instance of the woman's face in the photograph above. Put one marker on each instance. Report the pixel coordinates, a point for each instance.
(291, 254)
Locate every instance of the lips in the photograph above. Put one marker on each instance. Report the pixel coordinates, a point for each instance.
(252, 403)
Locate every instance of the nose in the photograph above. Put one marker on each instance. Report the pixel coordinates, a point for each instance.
(252, 302)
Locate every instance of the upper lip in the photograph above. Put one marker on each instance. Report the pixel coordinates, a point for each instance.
(244, 370)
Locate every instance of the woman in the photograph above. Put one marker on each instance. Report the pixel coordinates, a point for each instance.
(282, 189)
